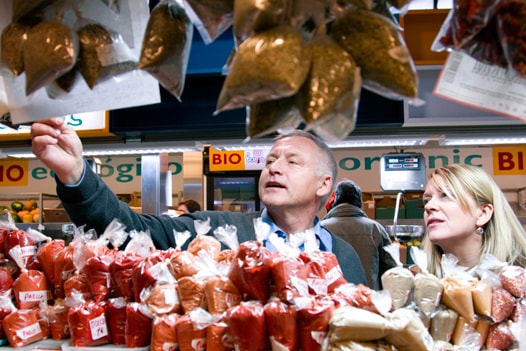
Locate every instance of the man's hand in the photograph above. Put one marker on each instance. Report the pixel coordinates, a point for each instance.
(58, 146)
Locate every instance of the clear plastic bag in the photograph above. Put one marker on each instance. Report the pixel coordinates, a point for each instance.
(166, 45)
(377, 46)
(269, 65)
(103, 53)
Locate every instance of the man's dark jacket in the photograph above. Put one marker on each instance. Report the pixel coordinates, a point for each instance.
(367, 236)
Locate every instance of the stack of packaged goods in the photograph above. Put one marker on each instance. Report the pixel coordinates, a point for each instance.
(89, 294)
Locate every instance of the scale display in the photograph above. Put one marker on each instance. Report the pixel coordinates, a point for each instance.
(402, 171)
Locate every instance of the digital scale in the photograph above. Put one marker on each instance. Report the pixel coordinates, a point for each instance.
(402, 171)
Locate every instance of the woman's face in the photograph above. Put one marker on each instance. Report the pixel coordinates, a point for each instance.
(448, 224)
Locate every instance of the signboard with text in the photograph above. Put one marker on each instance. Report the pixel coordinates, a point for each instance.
(122, 174)
(86, 124)
(237, 160)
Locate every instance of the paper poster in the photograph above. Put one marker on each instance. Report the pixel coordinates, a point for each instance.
(470, 82)
(127, 90)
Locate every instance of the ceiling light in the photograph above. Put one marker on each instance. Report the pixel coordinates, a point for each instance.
(459, 141)
(379, 143)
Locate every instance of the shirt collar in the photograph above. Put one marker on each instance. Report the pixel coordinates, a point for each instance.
(322, 234)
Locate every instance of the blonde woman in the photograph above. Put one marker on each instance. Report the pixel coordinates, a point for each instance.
(467, 215)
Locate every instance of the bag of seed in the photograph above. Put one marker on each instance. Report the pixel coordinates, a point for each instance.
(272, 116)
(377, 46)
(11, 45)
(103, 53)
(262, 70)
(50, 50)
(328, 101)
(166, 45)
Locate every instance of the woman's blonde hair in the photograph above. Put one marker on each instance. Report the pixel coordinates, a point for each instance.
(504, 236)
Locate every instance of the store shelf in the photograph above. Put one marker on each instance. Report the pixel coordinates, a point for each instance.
(44, 202)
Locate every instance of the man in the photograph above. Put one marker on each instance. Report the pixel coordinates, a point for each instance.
(188, 206)
(347, 220)
(294, 186)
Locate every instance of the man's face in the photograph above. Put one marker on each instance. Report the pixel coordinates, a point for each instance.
(290, 177)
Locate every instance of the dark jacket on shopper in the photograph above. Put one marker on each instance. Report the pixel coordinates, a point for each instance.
(93, 204)
(367, 236)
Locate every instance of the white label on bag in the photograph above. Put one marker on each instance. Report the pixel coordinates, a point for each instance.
(29, 331)
(98, 327)
(33, 296)
(170, 297)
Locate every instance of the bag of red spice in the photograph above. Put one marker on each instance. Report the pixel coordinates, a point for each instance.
(164, 335)
(282, 325)
(189, 336)
(313, 319)
(250, 270)
(58, 319)
(116, 312)
(247, 326)
(31, 286)
(138, 329)
(22, 327)
(88, 324)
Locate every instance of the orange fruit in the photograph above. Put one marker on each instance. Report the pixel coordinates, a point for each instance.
(30, 205)
(36, 217)
(22, 213)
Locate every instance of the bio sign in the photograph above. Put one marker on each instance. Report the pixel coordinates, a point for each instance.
(13, 172)
(237, 160)
(509, 160)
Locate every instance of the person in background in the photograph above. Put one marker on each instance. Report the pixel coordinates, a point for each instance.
(188, 206)
(295, 183)
(347, 220)
(467, 215)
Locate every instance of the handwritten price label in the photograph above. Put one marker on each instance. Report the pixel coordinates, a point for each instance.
(98, 327)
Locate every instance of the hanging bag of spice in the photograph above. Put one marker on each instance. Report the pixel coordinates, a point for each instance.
(166, 45)
(511, 26)
(330, 96)
(103, 53)
(267, 117)
(50, 50)
(463, 22)
(269, 65)
(11, 46)
(378, 48)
